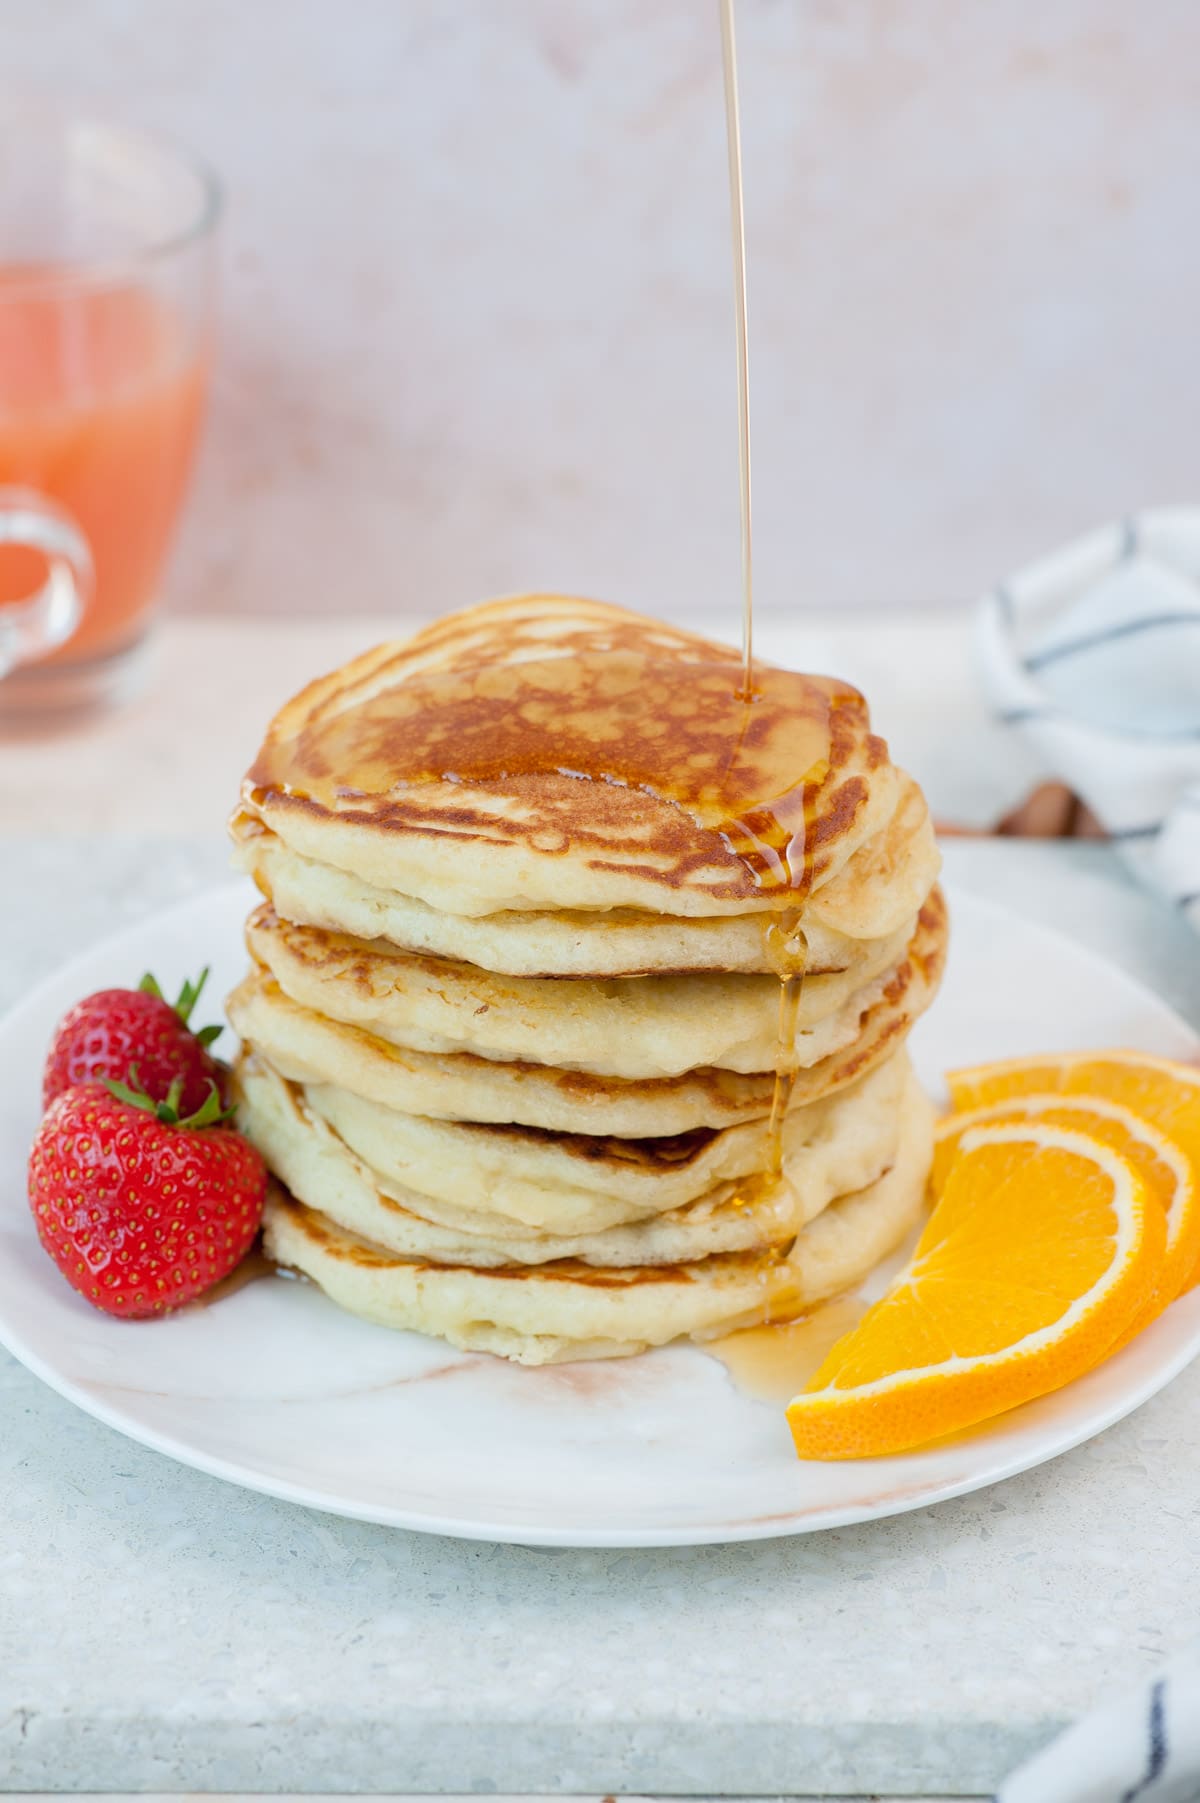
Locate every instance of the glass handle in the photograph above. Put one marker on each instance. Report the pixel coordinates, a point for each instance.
(33, 627)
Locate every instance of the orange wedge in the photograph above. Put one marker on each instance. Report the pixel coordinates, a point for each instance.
(1161, 1163)
(1044, 1247)
(1164, 1093)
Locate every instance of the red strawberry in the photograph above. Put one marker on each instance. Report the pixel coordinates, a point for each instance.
(142, 1211)
(118, 1031)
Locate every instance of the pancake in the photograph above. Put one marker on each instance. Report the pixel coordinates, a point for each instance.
(568, 943)
(570, 1310)
(320, 1170)
(562, 1182)
(629, 1027)
(307, 1047)
(442, 769)
(489, 1215)
(876, 894)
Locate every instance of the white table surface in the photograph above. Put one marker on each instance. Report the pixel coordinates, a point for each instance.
(161, 1631)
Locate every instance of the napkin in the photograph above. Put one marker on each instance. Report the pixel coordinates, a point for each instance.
(1143, 1747)
(1092, 656)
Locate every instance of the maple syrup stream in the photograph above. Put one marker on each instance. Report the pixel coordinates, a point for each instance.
(785, 942)
(771, 1362)
(737, 223)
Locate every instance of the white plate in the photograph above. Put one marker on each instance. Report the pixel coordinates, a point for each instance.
(276, 1389)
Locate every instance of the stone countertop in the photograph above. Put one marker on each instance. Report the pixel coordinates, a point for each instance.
(160, 1630)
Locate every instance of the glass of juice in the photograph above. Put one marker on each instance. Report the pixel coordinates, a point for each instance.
(107, 270)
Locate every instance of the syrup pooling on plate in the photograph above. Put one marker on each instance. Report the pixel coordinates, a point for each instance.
(773, 1363)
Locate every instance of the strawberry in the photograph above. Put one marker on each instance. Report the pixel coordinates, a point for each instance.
(119, 1030)
(140, 1210)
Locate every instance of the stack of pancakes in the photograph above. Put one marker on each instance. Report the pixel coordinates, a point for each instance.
(512, 1026)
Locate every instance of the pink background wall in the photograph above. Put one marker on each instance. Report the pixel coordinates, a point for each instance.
(477, 326)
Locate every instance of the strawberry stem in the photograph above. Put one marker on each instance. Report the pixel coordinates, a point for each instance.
(189, 995)
(209, 1114)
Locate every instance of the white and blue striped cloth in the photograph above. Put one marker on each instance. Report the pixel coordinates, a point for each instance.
(1143, 1747)
(1093, 656)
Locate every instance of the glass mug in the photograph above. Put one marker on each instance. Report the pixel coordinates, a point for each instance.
(107, 277)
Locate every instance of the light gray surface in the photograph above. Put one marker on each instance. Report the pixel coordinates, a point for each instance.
(159, 1630)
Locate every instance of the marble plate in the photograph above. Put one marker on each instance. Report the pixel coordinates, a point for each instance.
(275, 1389)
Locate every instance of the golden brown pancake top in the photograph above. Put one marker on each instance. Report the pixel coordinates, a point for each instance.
(581, 711)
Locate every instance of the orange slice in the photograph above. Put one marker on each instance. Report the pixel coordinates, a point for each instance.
(1162, 1092)
(1162, 1164)
(1044, 1247)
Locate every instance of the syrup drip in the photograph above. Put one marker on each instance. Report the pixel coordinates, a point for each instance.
(786, 946)
(787, 949)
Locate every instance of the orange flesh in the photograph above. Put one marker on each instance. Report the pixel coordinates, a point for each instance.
(1018, 1284)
